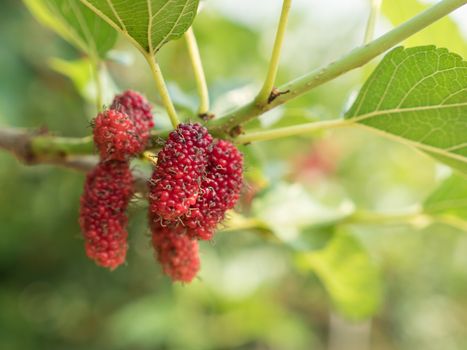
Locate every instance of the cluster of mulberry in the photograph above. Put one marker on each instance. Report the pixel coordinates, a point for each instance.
(196, 180)
(120, 133)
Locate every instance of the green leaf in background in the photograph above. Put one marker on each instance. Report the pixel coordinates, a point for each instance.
(418, 96)
(148, 24)
(442, 33)
(348, 274)
(450, 198)
(80, 72)
(290, 210)
(76, 24)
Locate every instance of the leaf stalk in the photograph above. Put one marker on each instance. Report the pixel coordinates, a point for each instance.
(268, 86)
(162, 89)
(198, 71)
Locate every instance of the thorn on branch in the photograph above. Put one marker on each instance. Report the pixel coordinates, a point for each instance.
(236, 131)
(275, 93)
(206, 116)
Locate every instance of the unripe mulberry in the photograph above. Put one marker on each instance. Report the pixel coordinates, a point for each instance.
(139, 111)
(220, 191)
(181, 165)
(107, 191)
(176, 252)
(116, 136)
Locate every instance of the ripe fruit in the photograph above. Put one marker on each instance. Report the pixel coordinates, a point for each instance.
(119, 133)
(226, 169)
(220, 191)
(176, 252)
(139, 111)
(116, 136)
(107, 191)
(181, 164)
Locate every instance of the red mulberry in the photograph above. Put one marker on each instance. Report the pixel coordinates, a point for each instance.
(139, 111)
(181, 164)
(107, 191)
(176, 252)
(220, 191)
(116, 136)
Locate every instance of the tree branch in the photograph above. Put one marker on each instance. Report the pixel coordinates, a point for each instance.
(36, 147)
(354, 59)
(33, 147)
(16, 142)
(293, 130)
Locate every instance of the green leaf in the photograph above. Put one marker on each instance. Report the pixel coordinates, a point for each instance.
(80, 72)
(450, 198)
(348, 274)
(418, 96)
(76, 24)
(148, 24)
(442, 33)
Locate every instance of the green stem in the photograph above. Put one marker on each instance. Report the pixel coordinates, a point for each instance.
(368, 217)
(291, 130)
(53, 146)
(265, 92)
(198, 71)
(39, 147)
(162, 89)
(452, 221)
(375, 7)
(354, 59)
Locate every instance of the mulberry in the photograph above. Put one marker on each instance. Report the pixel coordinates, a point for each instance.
(220, 191)
(176, 252)
(107, 191)
(181, 165)
(116, 136)
(139, 111)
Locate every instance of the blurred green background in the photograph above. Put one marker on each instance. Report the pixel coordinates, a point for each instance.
(282, 275)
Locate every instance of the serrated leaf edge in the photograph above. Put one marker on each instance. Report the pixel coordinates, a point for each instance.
(122, 30)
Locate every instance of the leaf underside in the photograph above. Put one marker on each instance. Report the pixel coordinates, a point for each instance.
(418, 96)
(75, 23)
(148, 23)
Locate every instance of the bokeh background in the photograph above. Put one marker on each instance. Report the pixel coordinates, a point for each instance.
(405, 284)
